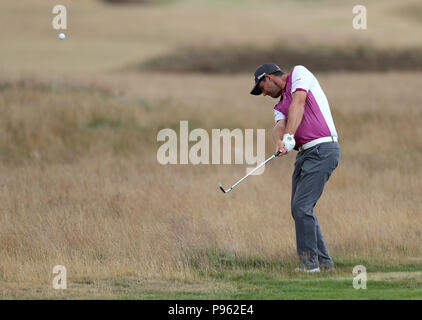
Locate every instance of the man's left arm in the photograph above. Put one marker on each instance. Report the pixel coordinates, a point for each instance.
(296, 110)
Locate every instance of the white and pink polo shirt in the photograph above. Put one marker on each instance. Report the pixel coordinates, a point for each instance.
(317, 121)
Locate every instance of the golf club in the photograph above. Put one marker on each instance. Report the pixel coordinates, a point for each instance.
(231, 188)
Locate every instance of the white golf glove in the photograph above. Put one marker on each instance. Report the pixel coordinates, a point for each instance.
(289, 141)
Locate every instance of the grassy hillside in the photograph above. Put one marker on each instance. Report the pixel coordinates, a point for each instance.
(103, 37)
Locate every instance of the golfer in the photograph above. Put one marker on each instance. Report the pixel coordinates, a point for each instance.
(303, 122)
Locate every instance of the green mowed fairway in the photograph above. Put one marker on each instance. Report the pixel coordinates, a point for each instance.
(254, 278)
(258, 285)
(387, 282)
(383, 282)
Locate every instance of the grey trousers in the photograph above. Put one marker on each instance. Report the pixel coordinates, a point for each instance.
(313, 168)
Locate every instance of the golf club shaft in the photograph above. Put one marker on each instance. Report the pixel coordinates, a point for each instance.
(269, 159)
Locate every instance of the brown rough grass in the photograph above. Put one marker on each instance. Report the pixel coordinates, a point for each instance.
(90, 195)
(80, 184)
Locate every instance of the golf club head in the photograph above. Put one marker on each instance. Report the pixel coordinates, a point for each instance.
(222, 189)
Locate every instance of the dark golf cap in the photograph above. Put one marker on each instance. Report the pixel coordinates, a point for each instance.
(261, 71)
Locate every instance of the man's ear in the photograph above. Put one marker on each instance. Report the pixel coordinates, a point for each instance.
(269, 77)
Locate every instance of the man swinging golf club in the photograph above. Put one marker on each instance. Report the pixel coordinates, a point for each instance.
(303, 122)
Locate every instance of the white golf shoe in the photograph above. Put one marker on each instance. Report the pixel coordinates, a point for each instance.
(302, 269)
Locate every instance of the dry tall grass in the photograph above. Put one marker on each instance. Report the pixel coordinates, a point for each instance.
(81, 185)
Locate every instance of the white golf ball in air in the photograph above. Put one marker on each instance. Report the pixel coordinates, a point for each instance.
(62, 36)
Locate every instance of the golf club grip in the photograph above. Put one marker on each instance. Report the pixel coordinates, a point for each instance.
(277, 153)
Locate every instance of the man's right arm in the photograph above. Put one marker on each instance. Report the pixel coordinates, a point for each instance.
(278, 132)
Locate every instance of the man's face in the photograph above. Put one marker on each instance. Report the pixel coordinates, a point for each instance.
(269, 88)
